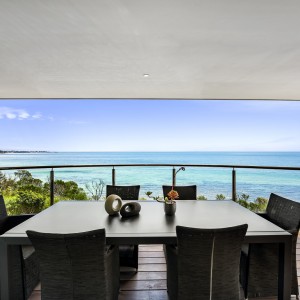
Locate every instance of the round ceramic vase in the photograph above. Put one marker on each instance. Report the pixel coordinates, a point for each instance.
(113, 204)
(130, 209)
(170, 208)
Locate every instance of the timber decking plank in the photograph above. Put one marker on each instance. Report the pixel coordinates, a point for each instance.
(143, 295)
(153, 254)
(143, 275)
(151, 268)
(150, 248)
(152, 260)
(141, 285)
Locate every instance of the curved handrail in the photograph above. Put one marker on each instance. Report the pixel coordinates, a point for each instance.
(113, 166)
(151, 165)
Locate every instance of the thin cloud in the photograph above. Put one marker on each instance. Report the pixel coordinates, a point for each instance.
(17, 114)
(37, 116)
(74, 122)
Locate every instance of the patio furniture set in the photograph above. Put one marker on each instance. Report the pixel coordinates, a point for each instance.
(216, 249)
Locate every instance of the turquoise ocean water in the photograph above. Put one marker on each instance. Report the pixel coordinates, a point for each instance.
(210, 181)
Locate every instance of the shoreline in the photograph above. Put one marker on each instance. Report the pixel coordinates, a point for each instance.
(21, 151)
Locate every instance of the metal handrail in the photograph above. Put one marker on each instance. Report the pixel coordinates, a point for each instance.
(152, 165)
(113, 166)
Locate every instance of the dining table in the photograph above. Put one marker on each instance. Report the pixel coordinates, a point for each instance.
(150, 226)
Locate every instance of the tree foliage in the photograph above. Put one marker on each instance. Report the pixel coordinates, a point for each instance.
(26, 202)
(6, 184)
(258, 205)
(67, 190)
(27, 194)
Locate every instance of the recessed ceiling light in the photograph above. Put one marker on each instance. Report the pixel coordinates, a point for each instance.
(146, 75)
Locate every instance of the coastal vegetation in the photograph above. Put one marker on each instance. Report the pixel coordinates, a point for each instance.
(25, 194)
(258, 205)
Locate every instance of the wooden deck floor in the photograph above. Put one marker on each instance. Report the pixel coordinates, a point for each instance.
(149, 283)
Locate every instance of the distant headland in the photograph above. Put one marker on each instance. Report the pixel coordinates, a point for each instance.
(22, 151)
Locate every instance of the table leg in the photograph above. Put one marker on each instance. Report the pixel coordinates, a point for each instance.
(285, 270)
(11, 273)
(4, 271)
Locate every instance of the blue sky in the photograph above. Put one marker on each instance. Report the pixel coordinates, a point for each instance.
(149, 125)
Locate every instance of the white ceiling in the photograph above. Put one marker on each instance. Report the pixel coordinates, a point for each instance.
(192, 49)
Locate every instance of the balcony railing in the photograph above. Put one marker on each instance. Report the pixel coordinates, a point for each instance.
(173, 175)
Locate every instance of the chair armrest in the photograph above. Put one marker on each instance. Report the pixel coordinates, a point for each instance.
(293, 231)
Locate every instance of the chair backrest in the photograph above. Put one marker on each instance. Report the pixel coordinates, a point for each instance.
(3, 212)
(188, 192)
(126, 192)
(284, 212)
(71, 265)
(208, 262)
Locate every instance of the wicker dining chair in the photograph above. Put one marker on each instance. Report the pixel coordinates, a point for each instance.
(129, 254)
(263, 258)
(188, 192)
(126, 192)
(205, 263)
(76, 266)
(24, 259)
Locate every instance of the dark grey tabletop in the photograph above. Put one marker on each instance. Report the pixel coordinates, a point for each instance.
(151, 226)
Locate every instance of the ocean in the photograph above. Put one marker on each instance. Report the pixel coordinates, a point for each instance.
(209, 181)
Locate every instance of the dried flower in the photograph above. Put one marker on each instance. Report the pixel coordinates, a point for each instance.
(173, 195)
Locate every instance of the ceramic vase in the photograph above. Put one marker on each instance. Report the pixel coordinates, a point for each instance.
(170, 208)
(113, 204)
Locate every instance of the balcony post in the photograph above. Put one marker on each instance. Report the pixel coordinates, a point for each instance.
(173, 177)
(113, 176)
(52, 187)
(233, 185)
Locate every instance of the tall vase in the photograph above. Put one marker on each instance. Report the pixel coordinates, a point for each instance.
(170, 208)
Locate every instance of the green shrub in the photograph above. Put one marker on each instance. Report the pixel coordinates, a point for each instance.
(259, 205)
(26, 202)
(220, 197)
(201, 197)
(243, 197)
(66, 190)
(243, 203)
(25, 194)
